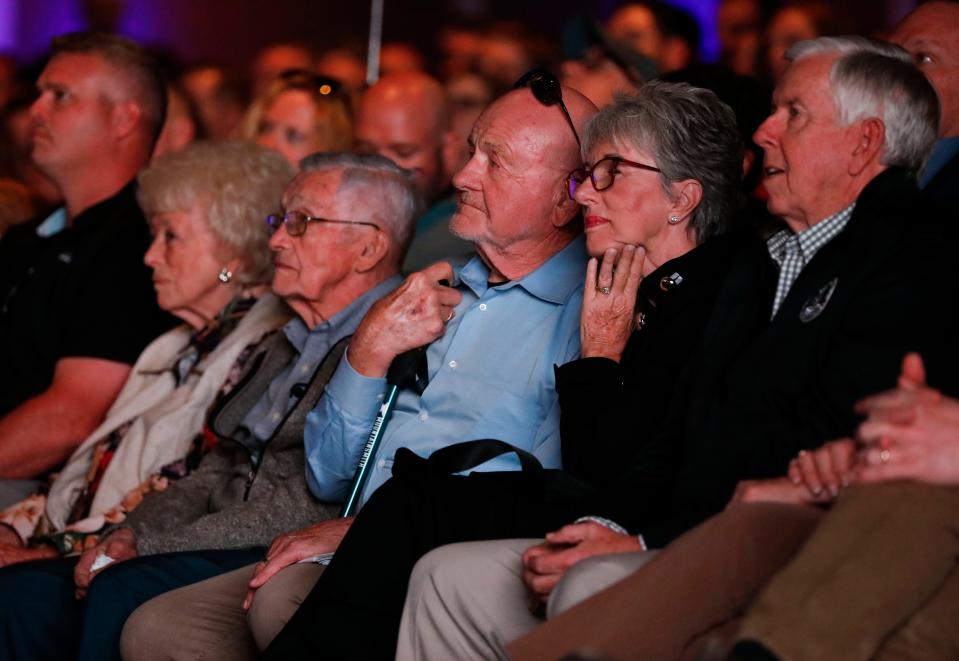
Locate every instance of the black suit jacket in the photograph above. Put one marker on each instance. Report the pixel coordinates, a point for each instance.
(762, 390)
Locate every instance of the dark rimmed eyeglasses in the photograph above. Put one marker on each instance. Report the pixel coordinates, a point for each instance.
(296, 222)
(603, 173)
(547, 90)
(307, 80)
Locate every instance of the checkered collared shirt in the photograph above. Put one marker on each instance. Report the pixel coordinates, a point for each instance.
(792, 252)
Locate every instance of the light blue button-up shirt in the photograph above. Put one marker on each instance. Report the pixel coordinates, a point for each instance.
(491, 376)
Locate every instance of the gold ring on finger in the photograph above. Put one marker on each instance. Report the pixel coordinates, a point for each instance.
(604, 290)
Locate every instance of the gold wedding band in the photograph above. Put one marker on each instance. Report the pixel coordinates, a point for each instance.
(604, 290)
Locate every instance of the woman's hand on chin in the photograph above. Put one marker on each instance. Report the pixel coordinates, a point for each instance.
(609, 301)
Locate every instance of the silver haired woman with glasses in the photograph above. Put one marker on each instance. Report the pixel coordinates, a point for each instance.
(660, 188)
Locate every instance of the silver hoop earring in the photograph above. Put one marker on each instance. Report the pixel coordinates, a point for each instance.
(225, 275)
(674, 220)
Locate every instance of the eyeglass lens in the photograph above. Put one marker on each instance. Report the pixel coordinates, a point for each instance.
(295, 222)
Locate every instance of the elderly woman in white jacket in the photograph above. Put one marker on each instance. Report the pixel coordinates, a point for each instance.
(211, 267)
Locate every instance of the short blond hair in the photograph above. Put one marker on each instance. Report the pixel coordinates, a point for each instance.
(238, 184)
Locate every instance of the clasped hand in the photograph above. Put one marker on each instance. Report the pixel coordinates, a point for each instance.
(120, 545)
(413, 315)
(910, 433)
(545, 564)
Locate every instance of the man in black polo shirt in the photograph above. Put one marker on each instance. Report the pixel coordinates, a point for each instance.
(76, 301)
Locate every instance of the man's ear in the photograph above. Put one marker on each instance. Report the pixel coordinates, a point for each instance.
(566, 209)
(126, 117)
(686, 197)
(375, 248)
(870, 135)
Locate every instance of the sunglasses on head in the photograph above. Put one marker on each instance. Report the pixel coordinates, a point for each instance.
(547, 90)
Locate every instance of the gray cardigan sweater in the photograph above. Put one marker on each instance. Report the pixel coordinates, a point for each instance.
(227, 502)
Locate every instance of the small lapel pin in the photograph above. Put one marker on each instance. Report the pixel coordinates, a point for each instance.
(816, 303)
(670, 281)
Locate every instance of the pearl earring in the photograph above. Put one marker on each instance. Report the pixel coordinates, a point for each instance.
(674, 220)
(225, 275)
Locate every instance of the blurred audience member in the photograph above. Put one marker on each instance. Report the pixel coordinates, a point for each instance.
(460, 47)
(504, 56)
(273, 60)
(603, 71)
(181, 125)
(667, 35)
(467, 95)
(796, 20)
(15, 159)
(739, 25)
(210, 263)
(301, 113)
(931, 35)
(78, 303)
(404, 118)
(399, 57)
(8, 80)
(16, 205)
(218, 98)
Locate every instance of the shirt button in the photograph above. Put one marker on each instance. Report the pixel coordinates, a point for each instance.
(381, 463)
(424, 416)
(482, 306)
(454, 364)
(275, 416)
(305, 369)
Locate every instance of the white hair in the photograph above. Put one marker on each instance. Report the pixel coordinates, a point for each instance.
(872, 78)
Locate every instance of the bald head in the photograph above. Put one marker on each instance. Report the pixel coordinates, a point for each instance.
(549, 123)
(403, 117)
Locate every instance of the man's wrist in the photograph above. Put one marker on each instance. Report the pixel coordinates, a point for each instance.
(606, 523)
(367, 362)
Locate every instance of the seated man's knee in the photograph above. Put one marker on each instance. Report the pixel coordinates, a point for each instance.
(592, 575)
(276, 601)
(441, 562)
(145, 630)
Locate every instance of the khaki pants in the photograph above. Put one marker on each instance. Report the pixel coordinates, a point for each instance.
(466, 601)
(698, 582)
(206, 620)
(875, 579)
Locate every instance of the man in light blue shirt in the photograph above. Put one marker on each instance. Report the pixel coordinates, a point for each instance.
(490, 376)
